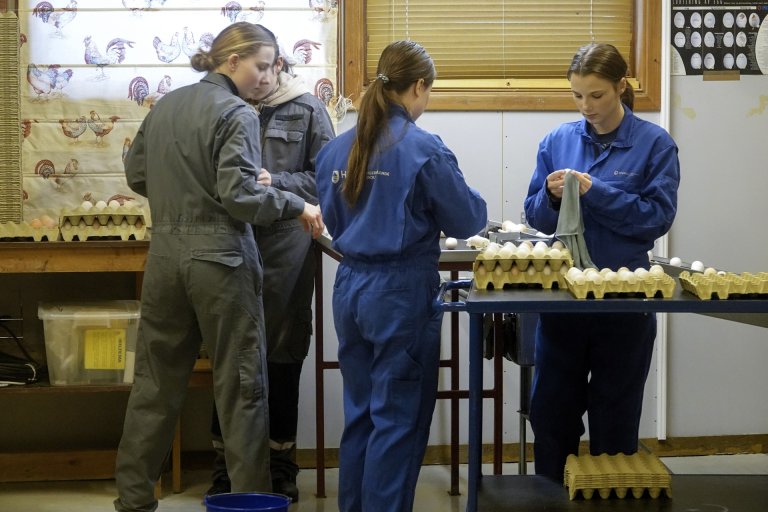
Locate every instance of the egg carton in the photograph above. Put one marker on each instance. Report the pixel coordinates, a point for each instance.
(102, 216)
(123, 231)
(620, 474)
(725, 285)
(648, 286)
(534, 273)
(24, 231)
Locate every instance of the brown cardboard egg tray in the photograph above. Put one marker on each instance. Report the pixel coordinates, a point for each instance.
(24, 231)
(124, 222)
(497, 273)
(725, 285)
(648, 286)
(621, 474)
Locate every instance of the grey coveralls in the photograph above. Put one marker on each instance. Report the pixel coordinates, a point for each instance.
(196, 159)
(292, 134)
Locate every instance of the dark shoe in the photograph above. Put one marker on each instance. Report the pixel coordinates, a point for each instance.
(287, 487)
(220, 486)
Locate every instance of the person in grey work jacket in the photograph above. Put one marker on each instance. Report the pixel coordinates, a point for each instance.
(196, 158)
(294, 126)
(387, 188)
(628, 174)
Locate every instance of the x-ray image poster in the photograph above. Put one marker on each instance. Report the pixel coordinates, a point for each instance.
(718, 35)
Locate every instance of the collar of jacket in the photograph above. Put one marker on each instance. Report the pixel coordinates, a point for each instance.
(221, 80)
(396, 110)
(623, 137)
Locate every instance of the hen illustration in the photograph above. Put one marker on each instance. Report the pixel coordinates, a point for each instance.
(115, 53)
(167, 52)
(99, 127)
(58, 19)
(302, 50)
(138, 91)
(234, 11)
(324, 90)
(120, 198)
(46, 81)
(190, 47)
(73, 128)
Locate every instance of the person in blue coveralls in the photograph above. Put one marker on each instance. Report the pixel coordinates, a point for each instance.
(387, 188)
(196, 157)
(628, 175)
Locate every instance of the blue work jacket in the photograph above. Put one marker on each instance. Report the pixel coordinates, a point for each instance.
(414, 190)
(633, 198)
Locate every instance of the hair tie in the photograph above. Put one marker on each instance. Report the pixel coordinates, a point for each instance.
(384, 78)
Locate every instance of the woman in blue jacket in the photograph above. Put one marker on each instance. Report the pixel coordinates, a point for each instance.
(387, 188)
(628, 174)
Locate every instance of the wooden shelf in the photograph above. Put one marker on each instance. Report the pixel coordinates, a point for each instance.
(87, 256)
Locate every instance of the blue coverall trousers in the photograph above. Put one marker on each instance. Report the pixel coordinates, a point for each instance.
(389, 354)
(596, 363)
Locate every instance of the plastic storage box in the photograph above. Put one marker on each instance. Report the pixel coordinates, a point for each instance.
(90, 342)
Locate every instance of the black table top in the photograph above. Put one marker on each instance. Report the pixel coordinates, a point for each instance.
(690, 493)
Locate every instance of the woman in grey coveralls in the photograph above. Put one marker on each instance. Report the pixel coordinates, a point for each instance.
(196, 158)
(295, 125)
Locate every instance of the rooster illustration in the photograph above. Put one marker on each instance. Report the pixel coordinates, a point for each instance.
(234, 11)
(74, 128)
(26, 127)
(115, 53)
(190, 47)
(322, 8)
(138, 91)
(99, 127)
(302, 50)
(324, 90)
(47, 170)
(126, 146)
(120, 198)
(167, 52)
(57, 19)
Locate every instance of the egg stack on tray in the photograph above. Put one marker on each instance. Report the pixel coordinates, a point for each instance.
(102, 220)
(44, 228)
(591, 283)
(524, 265)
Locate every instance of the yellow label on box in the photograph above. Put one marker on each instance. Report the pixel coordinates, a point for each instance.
(104, 349)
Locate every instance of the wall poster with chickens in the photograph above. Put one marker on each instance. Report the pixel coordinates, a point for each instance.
(92, 69)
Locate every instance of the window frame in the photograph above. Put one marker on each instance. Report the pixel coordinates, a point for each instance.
(545, 95)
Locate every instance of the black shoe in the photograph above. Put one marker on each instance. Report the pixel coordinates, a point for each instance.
(287, 487)
(220, 486)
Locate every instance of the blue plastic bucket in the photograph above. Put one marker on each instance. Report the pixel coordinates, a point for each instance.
(247, 502)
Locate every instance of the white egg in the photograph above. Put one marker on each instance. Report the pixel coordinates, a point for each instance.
(710, 271)
(721, 272)
(589, 271)
(547, 270)
(595, 278)
(451, 243)
(114, 204)
(697, 266)
(523, 251)
(641, 272)
(611, 277)
(100, 205)
(86, 205)
(573, 272)
(509, 226)
(508, 251)
(557, 244)
(604, 271)
(675, 261)
(531, 271)
(491, 251)
(555, 254)
(538, 252)
(580, 279)
(656, 270)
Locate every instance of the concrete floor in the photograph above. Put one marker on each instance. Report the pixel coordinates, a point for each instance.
(431, 495)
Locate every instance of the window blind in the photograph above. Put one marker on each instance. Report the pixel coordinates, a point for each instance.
(499, 39)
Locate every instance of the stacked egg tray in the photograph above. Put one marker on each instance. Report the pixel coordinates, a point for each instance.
(592, 284)
(123, 222)
(23, 231)
(725, 285)
(620, 474)
(498, 271)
